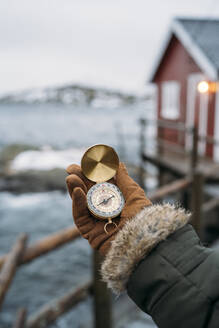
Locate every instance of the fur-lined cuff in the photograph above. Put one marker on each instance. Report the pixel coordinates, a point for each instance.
(136, 239)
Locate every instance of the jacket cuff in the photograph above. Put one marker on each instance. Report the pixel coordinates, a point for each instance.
(136, 239)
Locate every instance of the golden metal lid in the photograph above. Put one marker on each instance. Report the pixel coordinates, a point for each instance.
(99, 163)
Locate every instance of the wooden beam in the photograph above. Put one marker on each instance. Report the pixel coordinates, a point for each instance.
(197, 200)
(208, 139)
(170, 146)
(167, 124)
(50, 312)
(159, 162)
(142, 145)
(194, 152)
(46, 245)
(102, 296)
(178, 126)
(211, 171)
(20, 318)
(170, 188)
(10, 265)
(210, 205)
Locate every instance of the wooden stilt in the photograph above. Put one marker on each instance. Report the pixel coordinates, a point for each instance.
(102, 297)
(142, 143)
(197, 201)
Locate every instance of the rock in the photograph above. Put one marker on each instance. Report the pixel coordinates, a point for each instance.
(29, 180)
(34, 181)
(10, 152)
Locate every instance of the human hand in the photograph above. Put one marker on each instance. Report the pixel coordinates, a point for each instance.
(92, 228)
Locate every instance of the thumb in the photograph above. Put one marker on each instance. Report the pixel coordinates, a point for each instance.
(126, 184)
(81, 214)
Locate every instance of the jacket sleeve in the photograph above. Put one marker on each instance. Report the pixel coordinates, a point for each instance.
(158, 258)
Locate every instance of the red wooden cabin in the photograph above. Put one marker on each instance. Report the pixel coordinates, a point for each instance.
(186, 75)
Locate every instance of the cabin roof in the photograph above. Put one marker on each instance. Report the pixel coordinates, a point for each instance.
(200, 37)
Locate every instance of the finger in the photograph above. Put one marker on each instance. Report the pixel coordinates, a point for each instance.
(76, 169)
(71, 168)
(125, 183)
(81, 213)
(74, 181)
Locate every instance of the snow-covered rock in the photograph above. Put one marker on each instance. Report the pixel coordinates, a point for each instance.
(76, 95)
(46, 159)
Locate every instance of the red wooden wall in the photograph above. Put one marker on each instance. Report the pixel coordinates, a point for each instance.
(177, 65)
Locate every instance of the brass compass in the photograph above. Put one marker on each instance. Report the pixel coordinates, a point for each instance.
(104, 200)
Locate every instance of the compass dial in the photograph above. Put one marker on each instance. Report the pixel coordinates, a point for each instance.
(105, 200)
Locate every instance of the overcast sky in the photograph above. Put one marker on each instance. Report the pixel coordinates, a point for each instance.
(109, 43)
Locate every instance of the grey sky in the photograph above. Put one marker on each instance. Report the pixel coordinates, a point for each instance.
(109, 43)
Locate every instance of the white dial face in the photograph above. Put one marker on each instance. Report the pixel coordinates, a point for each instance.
(105, 200)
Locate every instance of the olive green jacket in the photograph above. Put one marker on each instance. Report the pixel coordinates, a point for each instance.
(159, 260)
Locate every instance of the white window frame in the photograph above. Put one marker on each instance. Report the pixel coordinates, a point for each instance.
(170, 100)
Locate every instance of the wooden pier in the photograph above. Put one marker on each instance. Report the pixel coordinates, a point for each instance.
(173, 158)
(180, 170)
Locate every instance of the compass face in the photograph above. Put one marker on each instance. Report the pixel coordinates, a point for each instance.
(105, 200)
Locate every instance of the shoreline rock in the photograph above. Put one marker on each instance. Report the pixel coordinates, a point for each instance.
(34, 180)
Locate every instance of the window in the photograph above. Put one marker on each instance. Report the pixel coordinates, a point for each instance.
(170, 93)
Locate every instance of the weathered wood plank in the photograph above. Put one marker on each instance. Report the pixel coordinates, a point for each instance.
(194, 153)
(10, 265)
(46, 245)
(197, 200)
(170, 188)
(142, 146)
(210, 205)
(102, 296)
(50, 312)
(165, 163)
(165, 144)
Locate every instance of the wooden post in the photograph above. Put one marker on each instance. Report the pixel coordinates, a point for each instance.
(160, 150)
(10, 265)
(194, 152)
(185, 199)
(141, 173)
(102, 297)
(197, 200)
(20, 318)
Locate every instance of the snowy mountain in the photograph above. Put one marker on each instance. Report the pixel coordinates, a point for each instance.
(73, 94)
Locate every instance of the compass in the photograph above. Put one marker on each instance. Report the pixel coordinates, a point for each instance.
(104, 200)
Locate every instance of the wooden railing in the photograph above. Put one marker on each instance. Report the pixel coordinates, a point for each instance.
(22, 253)
(195, 178)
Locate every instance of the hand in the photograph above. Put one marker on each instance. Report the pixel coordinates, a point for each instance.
(90, 227)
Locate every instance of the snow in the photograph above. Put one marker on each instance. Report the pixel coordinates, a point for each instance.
(46, 159)
(26, 200)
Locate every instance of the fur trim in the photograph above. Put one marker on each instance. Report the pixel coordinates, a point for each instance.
(136, 239)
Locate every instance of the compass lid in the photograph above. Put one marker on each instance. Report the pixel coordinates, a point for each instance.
(99, 163)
